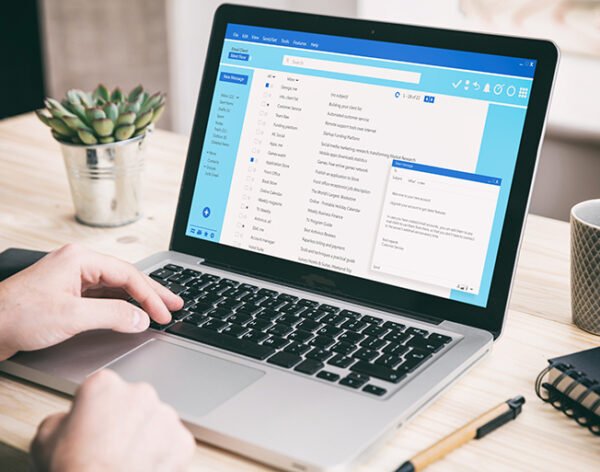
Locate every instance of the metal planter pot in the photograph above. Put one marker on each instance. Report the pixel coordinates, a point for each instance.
(105, 181)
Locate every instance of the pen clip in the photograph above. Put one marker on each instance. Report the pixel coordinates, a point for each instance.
(515, 408)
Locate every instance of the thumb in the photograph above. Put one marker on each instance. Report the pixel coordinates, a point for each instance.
(118, 315)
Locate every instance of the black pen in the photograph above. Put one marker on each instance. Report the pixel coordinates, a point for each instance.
(475, 429)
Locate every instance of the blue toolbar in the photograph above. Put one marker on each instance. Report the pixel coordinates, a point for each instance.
(520, 67)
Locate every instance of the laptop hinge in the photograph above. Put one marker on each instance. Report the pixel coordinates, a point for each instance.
(341, 297)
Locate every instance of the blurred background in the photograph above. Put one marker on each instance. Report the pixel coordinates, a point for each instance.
(49, 46)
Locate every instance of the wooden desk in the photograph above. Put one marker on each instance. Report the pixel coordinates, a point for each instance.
(36, 212)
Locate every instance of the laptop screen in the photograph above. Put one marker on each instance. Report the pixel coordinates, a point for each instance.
(389, 162)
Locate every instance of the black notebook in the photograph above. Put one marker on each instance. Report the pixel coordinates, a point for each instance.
(572, 385)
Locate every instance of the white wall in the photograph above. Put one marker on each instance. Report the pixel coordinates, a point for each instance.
(188, 29)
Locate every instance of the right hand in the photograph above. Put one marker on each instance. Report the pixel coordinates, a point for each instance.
(113, 426)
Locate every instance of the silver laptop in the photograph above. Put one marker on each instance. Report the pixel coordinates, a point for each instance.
(346, 233)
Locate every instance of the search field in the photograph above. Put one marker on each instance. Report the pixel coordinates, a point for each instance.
(352, 69)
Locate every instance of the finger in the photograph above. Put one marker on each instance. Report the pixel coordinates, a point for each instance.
(172, 301)
(49, 425)
(104, 313)
(111, 272)
(43, 442)
(106, 292)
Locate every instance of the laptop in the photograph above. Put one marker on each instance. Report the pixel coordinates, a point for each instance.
(346, 234)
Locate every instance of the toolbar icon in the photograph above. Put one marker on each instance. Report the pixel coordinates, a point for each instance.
(511, 90)
(476, 85)
(486, 88)
(523, 92)
(456, 84)
(498, 89)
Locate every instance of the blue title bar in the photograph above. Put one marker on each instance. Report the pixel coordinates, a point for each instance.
(465, 60)
(447, 172)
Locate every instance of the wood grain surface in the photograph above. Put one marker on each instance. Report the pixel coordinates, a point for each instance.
(36, 212)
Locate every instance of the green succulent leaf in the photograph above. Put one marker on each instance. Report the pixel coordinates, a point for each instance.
(86, 137)
(95, 113)
(107, 140)
(117, 95)
(103, 127)
(101, 92)
(74, 122)
(112, 111)
(151, 102)
(135, 93)
(74, 97)
(78, 110)
(127, 118)
(157, 113)
(60, 137)
(143, 120)
(140, 132)
(44, 118)
(60, 127)
(124, 132)
(134, 107)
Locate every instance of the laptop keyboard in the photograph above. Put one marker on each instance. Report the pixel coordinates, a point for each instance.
(295, 333)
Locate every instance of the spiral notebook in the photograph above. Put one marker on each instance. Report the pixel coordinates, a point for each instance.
(572, 385)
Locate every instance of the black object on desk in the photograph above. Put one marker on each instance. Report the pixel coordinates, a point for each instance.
(474, 429)
(571, 384)
(14, 260)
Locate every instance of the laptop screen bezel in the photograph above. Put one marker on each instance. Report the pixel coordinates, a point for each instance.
(364, 291)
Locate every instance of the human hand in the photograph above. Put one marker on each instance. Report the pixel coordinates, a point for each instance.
(50, 301)
(113, 426)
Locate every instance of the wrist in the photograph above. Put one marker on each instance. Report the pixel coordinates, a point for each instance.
(7, 348)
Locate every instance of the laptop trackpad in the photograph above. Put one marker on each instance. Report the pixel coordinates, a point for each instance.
(192, 382)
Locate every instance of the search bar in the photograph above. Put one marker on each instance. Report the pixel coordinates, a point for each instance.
(352, 69)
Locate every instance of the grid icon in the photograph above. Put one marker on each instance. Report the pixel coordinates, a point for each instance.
(523, 92)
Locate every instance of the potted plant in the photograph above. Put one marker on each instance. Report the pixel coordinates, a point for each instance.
(102, 136)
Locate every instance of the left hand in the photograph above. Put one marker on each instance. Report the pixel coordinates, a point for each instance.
(50, 301)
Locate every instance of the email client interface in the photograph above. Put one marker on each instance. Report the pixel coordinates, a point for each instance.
(389, 162)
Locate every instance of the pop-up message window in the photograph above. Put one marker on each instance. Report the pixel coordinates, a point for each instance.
(435, 225)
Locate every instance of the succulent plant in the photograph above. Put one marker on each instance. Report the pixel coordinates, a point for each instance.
(101, 117)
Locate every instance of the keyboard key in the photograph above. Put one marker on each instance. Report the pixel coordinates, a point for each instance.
(175, 288)
(424, 344)
(396, 337)
(313, 315)
(354, 381)
(417, 331)
(340, 361)
(239, 318)
(374, 390)
(299, 336)
(350, 314)
(280, 329)
(255, 336)
(365, 354)
(289, 320)
(329, 376)
(249, 308)
(230, 303)
(196, 319)
(181, 279)
(322, 341)
(378, 371)
(272, 303)
(354, 325)
(219, 313)
(229, 343)
(297, 348)
(265, 292)
(209, 277)
(293, 310)
(390, 361)
(351, 337)
(396, 349)
(393, 325)
(284, 359)
(373, 343)
(234, 330)
(309, 325)
(248, 287)
(268, 315)
(230, 282)
(435, 337)
(161, 274)
(309, 366)
(178, 315)
(333, 319)
(275, 342)
(319, 354)
(343, 348)
(287, 297)
(192, 272)
(160, 327)
(261, 325)
(330, 331)
(375, 331)
(173, 267)
(372, 320)
(413, 360)
(215, 324)
(308, 303)
(330, 308)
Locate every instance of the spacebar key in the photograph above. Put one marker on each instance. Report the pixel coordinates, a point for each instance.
(229, 343)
